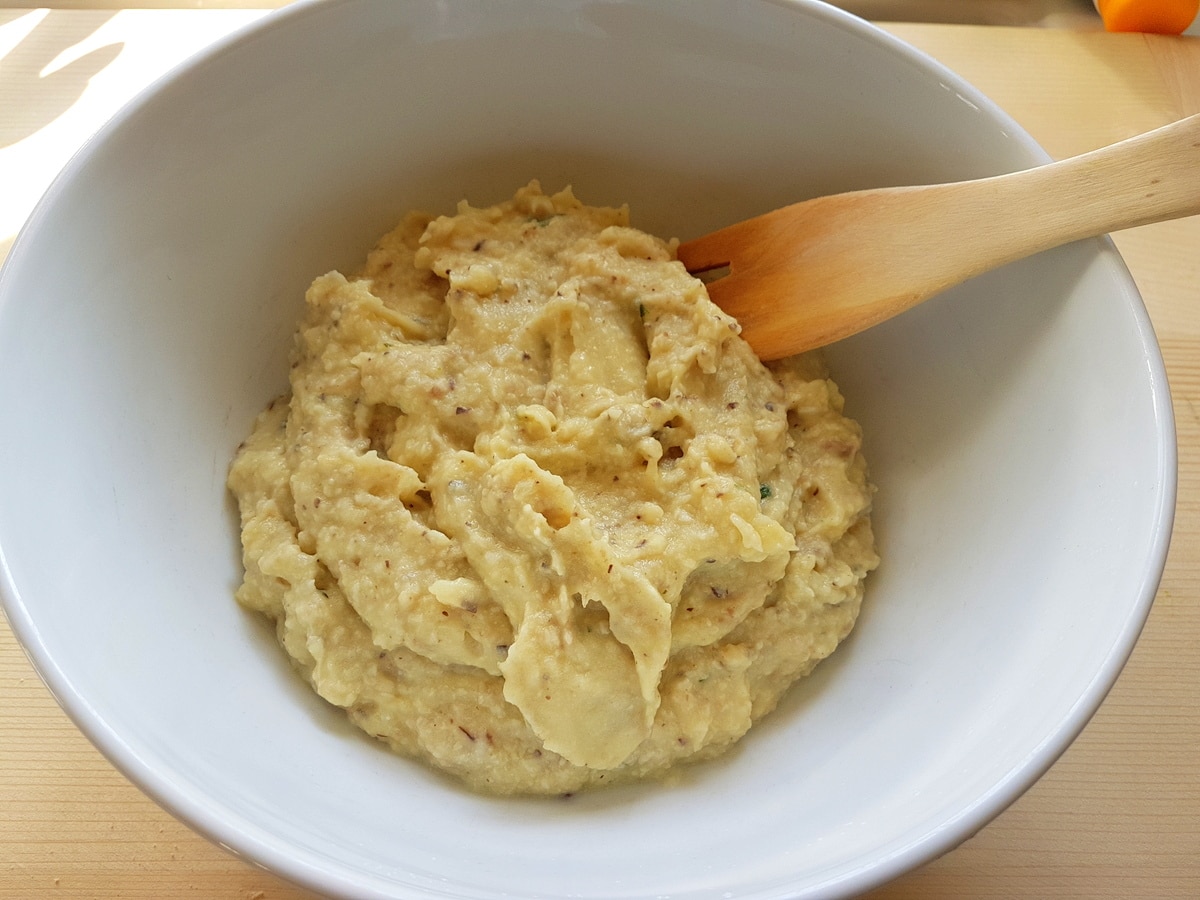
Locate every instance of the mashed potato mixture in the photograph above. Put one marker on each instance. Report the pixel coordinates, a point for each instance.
(534, 512)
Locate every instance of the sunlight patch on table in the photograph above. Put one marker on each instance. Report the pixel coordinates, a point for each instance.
(88, 65)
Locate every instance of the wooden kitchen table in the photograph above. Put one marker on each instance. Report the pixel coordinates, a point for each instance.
(1117, 816)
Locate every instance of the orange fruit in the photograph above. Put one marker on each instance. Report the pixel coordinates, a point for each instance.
(1156, 16)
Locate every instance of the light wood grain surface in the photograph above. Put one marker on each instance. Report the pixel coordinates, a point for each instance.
(1117, 816)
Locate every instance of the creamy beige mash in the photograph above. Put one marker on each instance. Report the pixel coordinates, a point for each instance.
(533, 511)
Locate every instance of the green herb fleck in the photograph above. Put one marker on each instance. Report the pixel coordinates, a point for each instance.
(642, 310)
(764, 491)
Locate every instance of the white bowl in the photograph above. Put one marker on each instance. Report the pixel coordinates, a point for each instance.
(1019, 430)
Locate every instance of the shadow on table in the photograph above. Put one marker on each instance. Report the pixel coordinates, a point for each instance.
(47, 95)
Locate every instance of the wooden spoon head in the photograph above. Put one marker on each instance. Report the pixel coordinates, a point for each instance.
(782, 313)
(802, 276)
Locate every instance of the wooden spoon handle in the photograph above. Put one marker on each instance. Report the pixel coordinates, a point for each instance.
(1149, 178)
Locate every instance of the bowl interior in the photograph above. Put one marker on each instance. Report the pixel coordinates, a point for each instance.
(1018, 429)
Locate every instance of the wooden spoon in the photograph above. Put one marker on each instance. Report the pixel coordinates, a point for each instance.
(809, 274)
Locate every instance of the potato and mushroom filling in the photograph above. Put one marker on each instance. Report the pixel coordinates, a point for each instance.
(533, 512)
